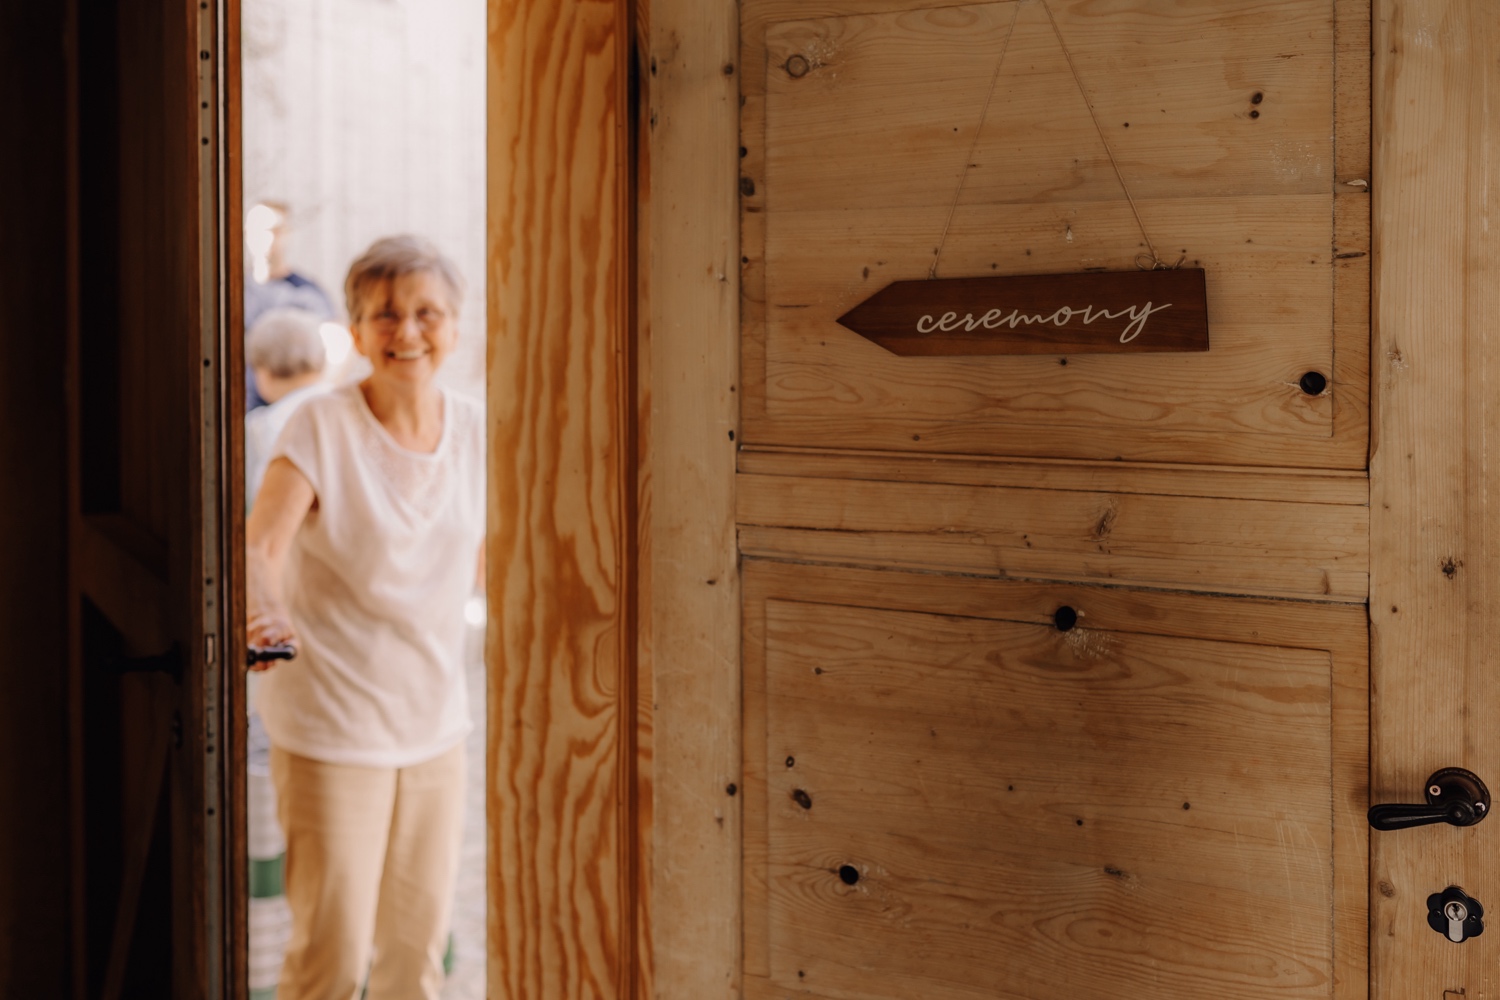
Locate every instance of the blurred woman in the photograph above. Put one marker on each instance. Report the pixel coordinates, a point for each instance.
(364, 543)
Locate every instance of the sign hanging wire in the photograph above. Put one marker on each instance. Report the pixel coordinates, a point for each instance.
(1147, 261)
(968, 164)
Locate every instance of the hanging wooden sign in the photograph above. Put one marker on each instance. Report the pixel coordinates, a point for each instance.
(1099, 312)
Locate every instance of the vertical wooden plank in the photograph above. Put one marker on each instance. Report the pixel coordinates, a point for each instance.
(171, 459)
(1351, 218)
(756, 848)
(562, 505)
(645, 859)
(1350, 746)
(695, 587)
(752, 210)
(1437, 426)
(1479, 703)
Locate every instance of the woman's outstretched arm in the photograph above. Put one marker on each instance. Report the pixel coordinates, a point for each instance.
(284, 499)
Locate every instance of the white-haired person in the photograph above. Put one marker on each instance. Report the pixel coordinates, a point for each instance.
(286, 356)
(363, 545)
(271, 282)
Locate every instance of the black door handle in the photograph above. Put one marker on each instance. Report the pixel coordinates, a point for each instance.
(1454, 796)
(265, 654)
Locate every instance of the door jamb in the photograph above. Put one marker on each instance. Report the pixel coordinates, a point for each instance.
(233, 937)
(562, 647)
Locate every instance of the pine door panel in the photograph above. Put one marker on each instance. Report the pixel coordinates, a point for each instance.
(954, 798)
(897, 141)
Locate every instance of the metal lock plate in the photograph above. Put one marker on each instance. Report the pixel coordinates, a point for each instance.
(1454, 914)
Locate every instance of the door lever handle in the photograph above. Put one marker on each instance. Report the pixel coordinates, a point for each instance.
(265, 654)
(1454, 795)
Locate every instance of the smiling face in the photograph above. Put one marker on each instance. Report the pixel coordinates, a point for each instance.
(407, 327)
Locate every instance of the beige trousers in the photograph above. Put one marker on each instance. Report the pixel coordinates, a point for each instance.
(371, 862)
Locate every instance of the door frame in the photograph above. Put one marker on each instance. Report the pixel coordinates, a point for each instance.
(568, 751)
(633, 845)
(695, 269)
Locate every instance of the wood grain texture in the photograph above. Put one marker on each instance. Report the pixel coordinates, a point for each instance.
(1010, 790)
(1270, 297)
(644, 860)
(1316, 551)
(143, 764)
(807, 930)
(121, 567)
(1436, 569)
(1352, 246)
(1230, 482)
(844, 188)
(561, 643)
(159, 214)
(693, 91)
(1201, 168)
(146, 417)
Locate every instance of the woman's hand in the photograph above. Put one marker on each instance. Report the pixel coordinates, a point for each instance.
(269, 629)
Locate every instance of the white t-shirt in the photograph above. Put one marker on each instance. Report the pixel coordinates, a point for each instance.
(262, 427)
(376, 582)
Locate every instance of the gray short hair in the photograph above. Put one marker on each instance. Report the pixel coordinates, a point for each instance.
(286, 343)
(392, 257)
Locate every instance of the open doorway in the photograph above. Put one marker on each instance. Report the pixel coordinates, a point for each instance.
(361, 120)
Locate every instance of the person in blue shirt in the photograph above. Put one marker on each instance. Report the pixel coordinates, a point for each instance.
(285, 355)
(272, 283)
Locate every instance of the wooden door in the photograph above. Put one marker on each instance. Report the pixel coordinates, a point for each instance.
(1018, 718)
(846, 504)
(152, 506)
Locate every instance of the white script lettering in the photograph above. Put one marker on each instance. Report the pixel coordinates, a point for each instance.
(950, 321)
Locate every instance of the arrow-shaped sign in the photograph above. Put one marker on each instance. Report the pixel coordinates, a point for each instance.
(1096, 312)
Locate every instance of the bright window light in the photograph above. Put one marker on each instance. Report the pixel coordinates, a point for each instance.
(337, 342)
(474, 611)
(261, 218)
(260, 232)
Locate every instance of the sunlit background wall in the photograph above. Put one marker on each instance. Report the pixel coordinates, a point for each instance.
(366, 117)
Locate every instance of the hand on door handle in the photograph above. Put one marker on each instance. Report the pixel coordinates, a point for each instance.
(265, 654)
(1454, 796)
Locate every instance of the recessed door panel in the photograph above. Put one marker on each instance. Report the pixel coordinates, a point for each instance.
(1040, 138)
(961, 799)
